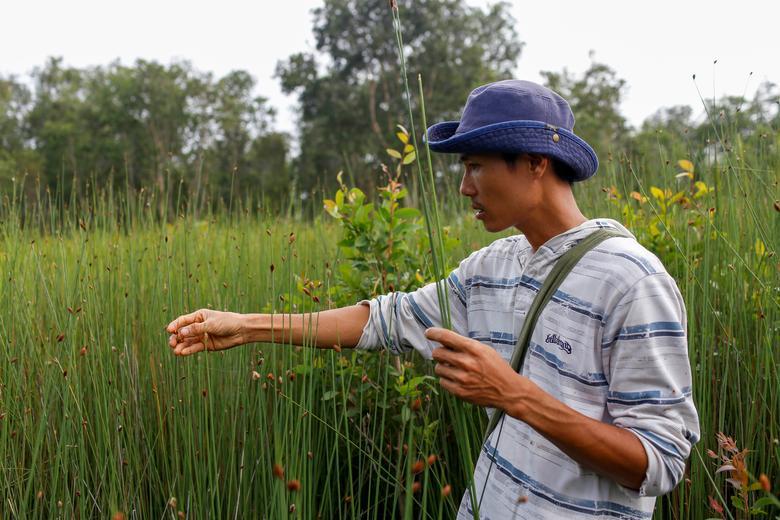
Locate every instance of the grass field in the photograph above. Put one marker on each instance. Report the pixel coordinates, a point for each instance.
(97, 417)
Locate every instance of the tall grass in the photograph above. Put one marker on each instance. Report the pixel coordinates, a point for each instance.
(97, 417)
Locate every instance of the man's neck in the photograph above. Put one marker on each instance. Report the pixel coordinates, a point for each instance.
(559, 217)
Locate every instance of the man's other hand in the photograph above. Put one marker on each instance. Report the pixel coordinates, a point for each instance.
(475, 372)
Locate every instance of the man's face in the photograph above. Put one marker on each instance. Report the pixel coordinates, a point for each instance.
(500, 194)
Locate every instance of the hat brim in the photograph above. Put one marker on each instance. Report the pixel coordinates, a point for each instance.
(517, 137)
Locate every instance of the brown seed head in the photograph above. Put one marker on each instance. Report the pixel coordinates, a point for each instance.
(294, 485)
(432, 459)
(255, 375)
(765, 484)
(416, 486)
(181, 515)
(310, 455)
(83, 351)
(40, 494)
(416, 404)
(119, 515)
(172, 503)
(418, 466)
(291, 509)
(278, 471)
(446, 490)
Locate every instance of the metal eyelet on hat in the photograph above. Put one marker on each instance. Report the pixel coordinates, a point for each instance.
(556, 138)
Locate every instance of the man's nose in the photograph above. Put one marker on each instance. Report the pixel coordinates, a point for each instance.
(467, 186)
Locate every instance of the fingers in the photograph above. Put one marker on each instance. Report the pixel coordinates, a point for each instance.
(449, 356)
(447, 373)
(184, 320)
(189, 350)
(449, 339)
(193, 330)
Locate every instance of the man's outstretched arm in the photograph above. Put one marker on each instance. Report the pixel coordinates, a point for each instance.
(207, 329)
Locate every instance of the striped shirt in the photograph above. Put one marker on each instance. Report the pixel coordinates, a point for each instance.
(610, 344)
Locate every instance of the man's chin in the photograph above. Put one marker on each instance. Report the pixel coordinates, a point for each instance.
(494, 227)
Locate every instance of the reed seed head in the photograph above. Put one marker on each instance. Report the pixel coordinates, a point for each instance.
(418, 466)
(432, 459)
(446, 490)
(416, 486)
(294, 485)
(765, 484)
(278, 471)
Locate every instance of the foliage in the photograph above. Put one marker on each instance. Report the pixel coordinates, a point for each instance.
(382, 243)
(732, 461)
(141, 125)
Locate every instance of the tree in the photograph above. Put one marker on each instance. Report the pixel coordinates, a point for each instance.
(14, 104)
(350, 92)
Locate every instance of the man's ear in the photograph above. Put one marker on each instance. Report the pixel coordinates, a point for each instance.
(538, 164)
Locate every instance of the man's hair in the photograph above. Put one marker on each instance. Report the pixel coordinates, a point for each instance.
(562, 170)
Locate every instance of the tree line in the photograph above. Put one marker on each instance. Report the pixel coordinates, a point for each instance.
(145, 124)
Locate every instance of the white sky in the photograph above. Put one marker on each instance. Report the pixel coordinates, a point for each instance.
(656, 46)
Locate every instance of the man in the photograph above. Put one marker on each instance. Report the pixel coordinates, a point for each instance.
(600, 420)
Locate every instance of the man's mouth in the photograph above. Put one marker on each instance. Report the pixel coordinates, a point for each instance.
(478, 210)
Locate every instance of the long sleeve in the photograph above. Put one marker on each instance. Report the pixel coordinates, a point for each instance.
(645, 354)
(398, 320)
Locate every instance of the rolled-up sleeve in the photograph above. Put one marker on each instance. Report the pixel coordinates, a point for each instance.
(398, 320)
(645, 354)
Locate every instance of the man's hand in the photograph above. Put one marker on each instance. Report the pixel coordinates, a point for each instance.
(475, 372)
(205, 329)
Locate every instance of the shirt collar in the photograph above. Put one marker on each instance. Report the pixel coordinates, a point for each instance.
(561, 243)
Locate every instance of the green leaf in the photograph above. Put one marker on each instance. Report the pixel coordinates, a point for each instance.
(766, 501)
(403, 137)
(406, 414)
(330, 394)
(393, 153)
(407, 213)
(408, 158)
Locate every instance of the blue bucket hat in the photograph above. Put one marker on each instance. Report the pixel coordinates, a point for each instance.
(514, 116)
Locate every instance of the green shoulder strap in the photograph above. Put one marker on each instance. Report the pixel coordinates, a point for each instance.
(560, 270)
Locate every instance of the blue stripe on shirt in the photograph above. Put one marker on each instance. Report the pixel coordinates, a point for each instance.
(590, 379)
(584, 506)
(424, 320)
(663, 445)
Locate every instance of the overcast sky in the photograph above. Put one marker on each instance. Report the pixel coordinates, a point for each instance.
(656, 46)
